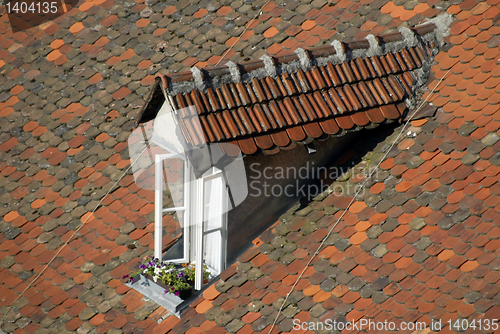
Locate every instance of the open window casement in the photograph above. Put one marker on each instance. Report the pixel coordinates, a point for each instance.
(198, 206)
(172, 202)
(214, 231)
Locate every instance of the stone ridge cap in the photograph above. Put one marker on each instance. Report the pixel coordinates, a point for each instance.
(337, 52)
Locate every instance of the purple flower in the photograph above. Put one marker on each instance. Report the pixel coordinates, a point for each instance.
(132, 280)
(177, 293)
(166, 291)
(181, 275)
(172, 288)
(126, 276)
(142, 266)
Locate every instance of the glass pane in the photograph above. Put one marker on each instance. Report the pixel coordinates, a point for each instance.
(213, 206)
(174, 182)
(212, 253)
(172, 232)
(213, 216)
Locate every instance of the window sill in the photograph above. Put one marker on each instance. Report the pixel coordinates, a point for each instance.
(156, 293)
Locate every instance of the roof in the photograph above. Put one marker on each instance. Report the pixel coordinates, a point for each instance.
(71, 92)
(278, 101)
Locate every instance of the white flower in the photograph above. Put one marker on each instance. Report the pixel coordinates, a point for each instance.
(156, 274)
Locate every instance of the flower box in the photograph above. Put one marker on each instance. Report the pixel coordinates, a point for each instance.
(183, 293)
(174, 279)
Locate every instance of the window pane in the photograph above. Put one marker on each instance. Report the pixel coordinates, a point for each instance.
(213, 223)
(212, 253)
(213, 206)
(172, 232)
(173, 188)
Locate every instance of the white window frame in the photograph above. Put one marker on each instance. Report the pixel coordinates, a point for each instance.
(210, 175)
(193, 222)
(159, 181)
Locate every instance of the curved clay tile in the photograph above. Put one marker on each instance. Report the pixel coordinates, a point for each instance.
(228, 96)
(247, 146)
(296, 133)
(223, 125)
(264, 142)
(360, 119)
(345, 122)
(280, 138)
(231, 125)
(390, 111)
(207, 129)
(313, 130)
(277, 115)
(291, 117)
(239, 123)
(329, 126)
(246, 120)
(375, 115)
(357, 87)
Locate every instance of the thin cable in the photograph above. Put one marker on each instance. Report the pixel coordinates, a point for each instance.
(72, 236)
(352, 201)
(246, 28)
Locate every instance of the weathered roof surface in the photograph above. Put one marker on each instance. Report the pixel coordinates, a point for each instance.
(275, 102)
(71, 89)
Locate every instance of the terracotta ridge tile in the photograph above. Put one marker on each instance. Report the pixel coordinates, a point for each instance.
(318, 52)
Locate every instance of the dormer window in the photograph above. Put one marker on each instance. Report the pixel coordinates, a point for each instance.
(195, 185)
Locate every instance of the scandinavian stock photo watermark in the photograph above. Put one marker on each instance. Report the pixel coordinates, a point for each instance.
(305, 181)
